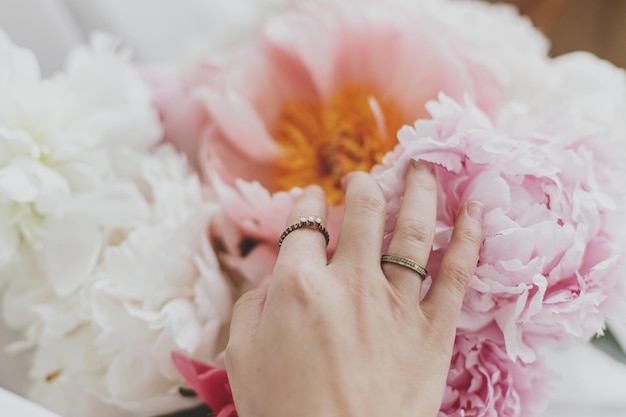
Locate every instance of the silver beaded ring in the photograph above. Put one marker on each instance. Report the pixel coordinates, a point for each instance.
(310, 222)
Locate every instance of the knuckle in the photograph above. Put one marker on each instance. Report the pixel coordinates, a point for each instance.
(457, 276)
(297, 283)
(414, 230)
(427, 184)
(369, 204)
(469, 237)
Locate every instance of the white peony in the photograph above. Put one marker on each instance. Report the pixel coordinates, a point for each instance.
(105, 263)
(55, 135)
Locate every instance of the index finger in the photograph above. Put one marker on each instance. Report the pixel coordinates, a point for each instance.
(304, 243)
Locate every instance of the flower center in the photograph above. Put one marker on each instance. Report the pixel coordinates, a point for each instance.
(322, 142)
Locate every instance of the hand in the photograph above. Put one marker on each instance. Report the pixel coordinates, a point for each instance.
(350, 338)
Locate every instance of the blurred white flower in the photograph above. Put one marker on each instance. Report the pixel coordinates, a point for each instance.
(105, 263)
(55, 134)
(156, 288)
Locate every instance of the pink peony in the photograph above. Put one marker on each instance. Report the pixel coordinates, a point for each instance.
(322, 92)
(324, 89)
(552, 260)
(484, 382)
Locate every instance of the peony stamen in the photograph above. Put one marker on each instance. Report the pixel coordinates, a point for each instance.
(324, 141)
(53, 375)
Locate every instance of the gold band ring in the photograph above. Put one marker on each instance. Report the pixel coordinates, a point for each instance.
(310, 222)
(406, 262)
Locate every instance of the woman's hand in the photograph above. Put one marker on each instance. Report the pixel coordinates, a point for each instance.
(349, 338)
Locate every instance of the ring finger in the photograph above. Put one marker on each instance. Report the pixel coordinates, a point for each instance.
(415, 229)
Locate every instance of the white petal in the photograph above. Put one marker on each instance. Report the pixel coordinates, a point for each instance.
(29, 181)
(71, 250)
(17, 63)
(9, 240)
(113, 205)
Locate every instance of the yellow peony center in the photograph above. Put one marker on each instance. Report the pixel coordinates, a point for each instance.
(322, 142)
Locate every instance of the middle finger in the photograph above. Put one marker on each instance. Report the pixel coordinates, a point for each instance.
(415, 228)
(362, 228)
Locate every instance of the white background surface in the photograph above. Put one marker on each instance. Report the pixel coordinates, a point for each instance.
(591, 384)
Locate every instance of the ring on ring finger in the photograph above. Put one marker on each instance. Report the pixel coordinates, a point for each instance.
(405, 262)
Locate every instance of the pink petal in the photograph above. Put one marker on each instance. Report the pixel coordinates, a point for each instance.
(211, 384)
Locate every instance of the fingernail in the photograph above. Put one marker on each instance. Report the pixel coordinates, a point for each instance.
(475, 210)
(422, 165)
(344, 180)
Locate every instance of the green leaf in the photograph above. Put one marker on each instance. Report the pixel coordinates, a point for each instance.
(609, 344)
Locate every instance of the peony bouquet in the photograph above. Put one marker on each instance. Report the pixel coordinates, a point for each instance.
(133, 216)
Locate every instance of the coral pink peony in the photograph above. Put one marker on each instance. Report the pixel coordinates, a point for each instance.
(322, 92)
(550, 266)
